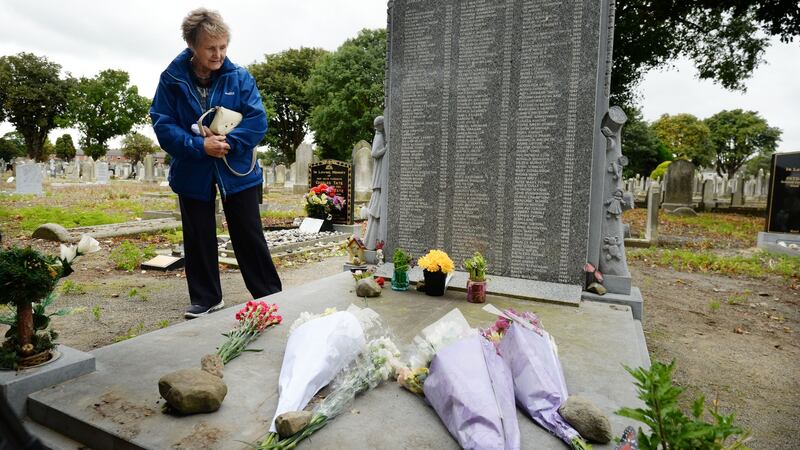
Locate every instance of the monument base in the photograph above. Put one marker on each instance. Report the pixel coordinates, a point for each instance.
(770, 242)
(616, 284)
(564, 294)
(633, 300)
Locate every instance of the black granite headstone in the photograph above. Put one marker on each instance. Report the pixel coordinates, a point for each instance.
(783, 203)
(338, 174)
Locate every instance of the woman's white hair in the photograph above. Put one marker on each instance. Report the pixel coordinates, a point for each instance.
(207, 21)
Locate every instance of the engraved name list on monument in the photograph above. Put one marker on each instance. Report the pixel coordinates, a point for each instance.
(487, 106)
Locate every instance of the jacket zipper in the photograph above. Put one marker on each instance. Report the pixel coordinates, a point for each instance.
(210, 102)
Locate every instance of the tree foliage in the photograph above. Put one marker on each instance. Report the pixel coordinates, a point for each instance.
(12, 145)
(685, 136)
(104, 107)
(346, 89)
(65, 148)
(737, 136)
(136, 146)
(725, 39)
(282, 79)
(33, 97)
(641, 146)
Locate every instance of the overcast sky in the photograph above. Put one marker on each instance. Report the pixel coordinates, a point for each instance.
(141, 37)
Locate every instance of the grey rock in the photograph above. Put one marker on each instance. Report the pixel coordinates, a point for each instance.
(597, 288)
(192, 391)
(368, 287)
(683, 211)
(212, 363)
(290, 423)
(52, 232)
(587, 419)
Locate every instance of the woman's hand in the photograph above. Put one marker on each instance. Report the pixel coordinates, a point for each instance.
(215, 146)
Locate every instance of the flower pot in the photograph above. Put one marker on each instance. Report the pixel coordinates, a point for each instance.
(434, 282)
(476, 291)
(327, 225)
(400, 280)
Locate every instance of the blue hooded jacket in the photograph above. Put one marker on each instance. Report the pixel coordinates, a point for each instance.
(176, 106)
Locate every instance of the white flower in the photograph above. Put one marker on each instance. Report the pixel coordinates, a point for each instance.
(88, 244)
(68, 253)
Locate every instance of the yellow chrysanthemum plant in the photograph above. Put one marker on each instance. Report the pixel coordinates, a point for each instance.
(436, 261)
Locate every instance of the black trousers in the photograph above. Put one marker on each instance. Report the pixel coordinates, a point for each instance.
(249, 245)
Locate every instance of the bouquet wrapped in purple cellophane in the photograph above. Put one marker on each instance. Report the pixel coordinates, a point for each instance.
(539, 385)
(471, 389)
(466, 382)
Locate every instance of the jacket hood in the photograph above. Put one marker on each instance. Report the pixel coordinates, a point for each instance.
(179, 67)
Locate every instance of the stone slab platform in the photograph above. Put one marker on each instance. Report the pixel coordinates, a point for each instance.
(118, 406)
(566, 294)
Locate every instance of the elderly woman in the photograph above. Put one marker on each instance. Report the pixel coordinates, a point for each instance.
(198, 79)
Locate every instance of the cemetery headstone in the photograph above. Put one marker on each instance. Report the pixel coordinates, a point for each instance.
(101, 171)
(303, 156)
(288, 186)
(679, 176)
(709, 200)
(738, 193)
(362, 168)
(338, 174)
(28, 179)
(269, 175)
(280, 175)
(783, 202)
(149, 169)
(87, 170)
(493, 122)
(651, 225)
(139, 171)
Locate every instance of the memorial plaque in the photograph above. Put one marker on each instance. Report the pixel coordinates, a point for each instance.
(493, 117)
(783, 203)
(338, 174)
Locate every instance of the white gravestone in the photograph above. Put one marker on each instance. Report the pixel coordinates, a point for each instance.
(29, 179)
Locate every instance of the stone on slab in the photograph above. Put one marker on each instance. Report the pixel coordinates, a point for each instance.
(587, 419)
(368, 287)
(212, 363)
(290, 423)
(192, 391)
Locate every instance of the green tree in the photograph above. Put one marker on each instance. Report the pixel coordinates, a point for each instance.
(737, 136)
(641, 146)
(136, 146)
(12, 145)
(685, 136)
(104, 107)
(725, 39)
(346, 89)
(282, 79)
(33, 98)
(65, 148)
